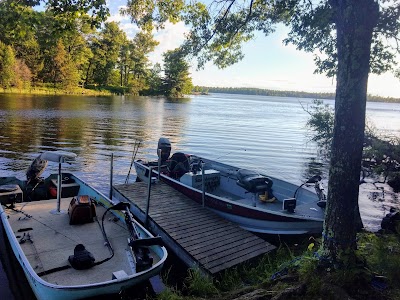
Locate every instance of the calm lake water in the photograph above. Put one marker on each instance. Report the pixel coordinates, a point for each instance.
(267, 134)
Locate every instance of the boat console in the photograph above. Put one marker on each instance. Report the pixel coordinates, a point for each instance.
(211, 179)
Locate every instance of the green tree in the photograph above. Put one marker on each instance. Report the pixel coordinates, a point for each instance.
(351, 34)
(133, 62)
(70, 9)
(106, 50)
(177, 80)
(154, 81)
(124, 62)
(64, 69)
(23, 75)
(143, 43)
(7, 66)
(17, 21)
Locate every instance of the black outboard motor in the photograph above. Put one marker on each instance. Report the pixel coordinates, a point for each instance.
(165, 146)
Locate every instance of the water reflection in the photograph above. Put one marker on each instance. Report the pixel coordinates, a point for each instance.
(92, 127)
(315, 166)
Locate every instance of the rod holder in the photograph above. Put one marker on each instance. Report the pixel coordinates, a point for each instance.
(111, 175)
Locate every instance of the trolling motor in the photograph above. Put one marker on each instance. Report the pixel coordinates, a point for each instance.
(139, 246)
(319, 189)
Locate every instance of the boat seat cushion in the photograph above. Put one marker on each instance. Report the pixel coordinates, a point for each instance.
(253, 182)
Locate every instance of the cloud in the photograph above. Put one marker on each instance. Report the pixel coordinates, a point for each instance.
(169, 38)
(117, 17)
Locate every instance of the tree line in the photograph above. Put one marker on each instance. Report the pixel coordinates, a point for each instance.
(69, 49)
(278, 93)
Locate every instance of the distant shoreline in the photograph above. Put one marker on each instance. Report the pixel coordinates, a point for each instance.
(276, 93)
(106, 91)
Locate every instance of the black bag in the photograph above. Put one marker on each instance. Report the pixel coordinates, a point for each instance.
(82, 259)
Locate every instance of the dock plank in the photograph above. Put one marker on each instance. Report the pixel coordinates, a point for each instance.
(197, 235)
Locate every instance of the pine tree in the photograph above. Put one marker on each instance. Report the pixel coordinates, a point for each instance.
(7, 66)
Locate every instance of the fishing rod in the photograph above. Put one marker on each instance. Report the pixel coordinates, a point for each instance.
(134, 152)
(226, 154)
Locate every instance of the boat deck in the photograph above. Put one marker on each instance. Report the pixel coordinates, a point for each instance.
(197, 235)
(48, 240)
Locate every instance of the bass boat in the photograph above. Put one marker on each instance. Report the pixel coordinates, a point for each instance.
(256, 202)
(72, 241)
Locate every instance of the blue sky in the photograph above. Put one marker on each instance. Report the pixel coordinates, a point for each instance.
(267, 64)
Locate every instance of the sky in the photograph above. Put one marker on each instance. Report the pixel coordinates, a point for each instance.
(268, 63)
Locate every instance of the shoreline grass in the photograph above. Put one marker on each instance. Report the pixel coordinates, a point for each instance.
(296, 272)
(56, 91)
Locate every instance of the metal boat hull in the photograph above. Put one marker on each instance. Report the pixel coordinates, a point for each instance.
(46, 290)
(257, 218)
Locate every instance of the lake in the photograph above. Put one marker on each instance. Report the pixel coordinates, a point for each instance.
(267, 134)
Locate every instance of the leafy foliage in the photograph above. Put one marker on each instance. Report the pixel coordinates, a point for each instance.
(177, 81)
(381, 154)
(149, 14)
(321, 122)
(7, 66)
(88, 56)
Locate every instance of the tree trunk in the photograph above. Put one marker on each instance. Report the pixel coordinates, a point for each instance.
(87, 72)
(355, 20)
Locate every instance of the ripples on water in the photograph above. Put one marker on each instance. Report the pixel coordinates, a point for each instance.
(267, 134)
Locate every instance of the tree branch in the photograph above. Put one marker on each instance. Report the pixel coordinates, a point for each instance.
(219, 22)
(244, 22)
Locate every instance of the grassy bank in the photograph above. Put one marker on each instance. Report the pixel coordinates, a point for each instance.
(57, 91)
(297, 272)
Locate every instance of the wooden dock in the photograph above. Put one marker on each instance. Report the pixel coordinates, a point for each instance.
(198, 236)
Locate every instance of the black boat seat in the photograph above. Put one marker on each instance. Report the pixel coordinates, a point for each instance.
(253, 182)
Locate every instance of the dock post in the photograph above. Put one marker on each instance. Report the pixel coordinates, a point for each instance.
(203, 194)
(59, 186)
(111, 175)
(146, 217)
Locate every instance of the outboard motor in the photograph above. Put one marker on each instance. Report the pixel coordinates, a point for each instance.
(165, 146)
